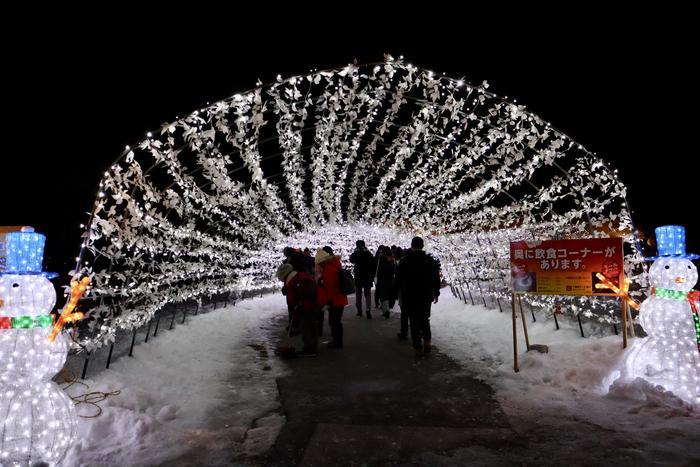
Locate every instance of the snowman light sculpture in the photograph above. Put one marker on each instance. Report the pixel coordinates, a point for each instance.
(38, 421)
(670, 355)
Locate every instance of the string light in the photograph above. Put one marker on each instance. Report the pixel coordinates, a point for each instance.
(392, 146)
(606, 284)
(77, 290)
(670, 355)
(39, 421)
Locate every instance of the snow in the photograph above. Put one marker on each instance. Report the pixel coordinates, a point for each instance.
(566, 389)
(209, 387)
(207, 384)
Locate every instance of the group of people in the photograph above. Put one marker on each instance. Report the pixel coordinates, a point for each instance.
(313, 284)
(378, 270)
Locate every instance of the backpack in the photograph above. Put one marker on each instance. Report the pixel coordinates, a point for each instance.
(305, 288)
(346, 283)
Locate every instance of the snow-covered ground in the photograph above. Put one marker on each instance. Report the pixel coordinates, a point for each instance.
(202, 387)
(207, 387)
(564, 390)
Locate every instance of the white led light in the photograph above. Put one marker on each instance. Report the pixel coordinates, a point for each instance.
(28, 361)
(391, 147)
(669, 356)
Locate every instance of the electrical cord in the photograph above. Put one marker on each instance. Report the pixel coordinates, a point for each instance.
(89, 398)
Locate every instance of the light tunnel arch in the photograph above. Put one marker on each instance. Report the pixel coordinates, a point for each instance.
(382, 151)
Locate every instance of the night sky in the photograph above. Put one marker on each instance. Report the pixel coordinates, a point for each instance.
(77, 94)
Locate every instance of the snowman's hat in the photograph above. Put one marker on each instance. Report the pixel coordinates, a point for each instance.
(670, 240)
(23, 252)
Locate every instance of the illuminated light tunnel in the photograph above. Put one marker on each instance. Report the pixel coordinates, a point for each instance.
(381, 151)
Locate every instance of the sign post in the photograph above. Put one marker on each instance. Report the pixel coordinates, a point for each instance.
(522, 316)
(581, 267)
(515, 335)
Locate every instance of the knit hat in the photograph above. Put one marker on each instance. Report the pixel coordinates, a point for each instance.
(284, 270)
(322, 256)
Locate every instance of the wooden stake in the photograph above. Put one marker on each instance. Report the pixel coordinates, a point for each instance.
(629, 318)
(522, 315)
(515, 336)
(624, 323)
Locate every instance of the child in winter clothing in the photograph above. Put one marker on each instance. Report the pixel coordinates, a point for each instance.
(302, 296)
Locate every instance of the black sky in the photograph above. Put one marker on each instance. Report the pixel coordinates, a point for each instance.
(77, 91)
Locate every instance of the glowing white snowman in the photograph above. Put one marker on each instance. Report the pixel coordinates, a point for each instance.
(38, 418)
(669, 356)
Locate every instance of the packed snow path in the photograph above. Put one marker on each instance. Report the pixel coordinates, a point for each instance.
(374, 401)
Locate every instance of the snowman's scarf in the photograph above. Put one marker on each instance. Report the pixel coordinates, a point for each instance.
(692, 297)
(26, 322)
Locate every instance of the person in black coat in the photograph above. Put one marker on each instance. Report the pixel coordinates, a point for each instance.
(294, 257)
(309, 264)
(377, 301)
(386, 269)
(364, 276)
(418, 279)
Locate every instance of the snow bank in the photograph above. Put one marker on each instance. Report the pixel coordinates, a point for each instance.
(566, 388)
(204, 386)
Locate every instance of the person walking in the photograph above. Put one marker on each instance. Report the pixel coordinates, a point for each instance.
(302, 298)
(386, 269)
(293, 258)
(332, 296)
(419, 283)
(364, 264)
(308, 261)
(377, 301)
(404, 329)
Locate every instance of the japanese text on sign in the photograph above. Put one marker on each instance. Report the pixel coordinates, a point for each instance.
(566, 267)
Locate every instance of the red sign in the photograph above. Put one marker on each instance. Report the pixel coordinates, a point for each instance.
(566, 267)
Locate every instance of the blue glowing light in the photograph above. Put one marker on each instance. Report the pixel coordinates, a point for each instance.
(25, 252)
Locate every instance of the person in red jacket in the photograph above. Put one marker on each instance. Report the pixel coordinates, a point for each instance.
(331, 295)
